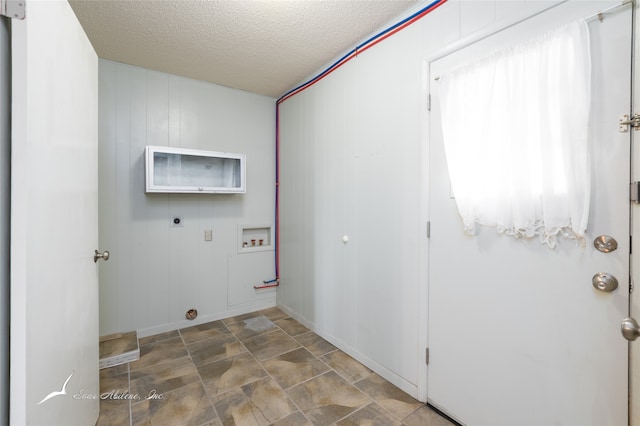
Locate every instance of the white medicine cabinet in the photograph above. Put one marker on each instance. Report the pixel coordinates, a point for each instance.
(194, 171)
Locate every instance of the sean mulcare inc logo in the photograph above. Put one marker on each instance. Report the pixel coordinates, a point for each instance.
(115, 394)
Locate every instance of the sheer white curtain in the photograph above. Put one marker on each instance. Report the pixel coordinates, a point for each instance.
(515, 130)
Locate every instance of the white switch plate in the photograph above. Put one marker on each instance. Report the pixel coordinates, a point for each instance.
(208, 234)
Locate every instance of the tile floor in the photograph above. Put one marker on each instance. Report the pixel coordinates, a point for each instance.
(118, 348)
(261, 368)
(126, 342)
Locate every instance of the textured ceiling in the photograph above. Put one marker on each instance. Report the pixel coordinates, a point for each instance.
(261, 46)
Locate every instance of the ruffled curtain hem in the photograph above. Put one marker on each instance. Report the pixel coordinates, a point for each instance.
(546, 236)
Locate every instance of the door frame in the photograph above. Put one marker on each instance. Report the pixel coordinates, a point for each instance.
(5, 211)
(634, 297)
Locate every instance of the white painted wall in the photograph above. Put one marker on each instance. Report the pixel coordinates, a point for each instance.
(157, 272)
(353, 163)
(351, 158)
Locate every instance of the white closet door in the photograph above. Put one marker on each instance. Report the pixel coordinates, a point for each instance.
(54, 223)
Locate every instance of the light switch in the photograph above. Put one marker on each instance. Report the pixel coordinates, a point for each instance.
(208, 234)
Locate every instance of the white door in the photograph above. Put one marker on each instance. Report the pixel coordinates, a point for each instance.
(54, 220)
(517, 333)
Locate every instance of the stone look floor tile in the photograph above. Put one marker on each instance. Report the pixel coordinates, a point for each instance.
(294, 367)
(114, 378)
(224, 375)
(187, 406)
(113, 413)
(270, 345)
(315, 344)
(252, 327)
(207, 330)
(159, 352)
(242, 317)
(371, 415)
(274, 313)
(215, 422)
(291, 326)
(205, 364)
(260, 403)
(210, 350)
(164, 377)
(348, 367)
(388, 396)
(327, 398)
(426, 416)
(158, 337)
(126, 343)
(294, 419)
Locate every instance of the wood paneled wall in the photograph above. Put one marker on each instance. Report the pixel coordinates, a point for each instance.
(158, 272)
(353, 163)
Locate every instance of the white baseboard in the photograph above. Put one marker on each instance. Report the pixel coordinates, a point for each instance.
(395, 379)
(230, 312)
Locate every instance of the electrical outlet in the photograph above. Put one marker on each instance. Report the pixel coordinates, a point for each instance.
(208, 234)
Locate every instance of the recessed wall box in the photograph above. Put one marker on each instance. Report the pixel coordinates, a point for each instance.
(194, 171)
(252, 238)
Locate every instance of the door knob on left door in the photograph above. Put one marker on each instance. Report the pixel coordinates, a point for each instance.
(104, 255)
(630, 329)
